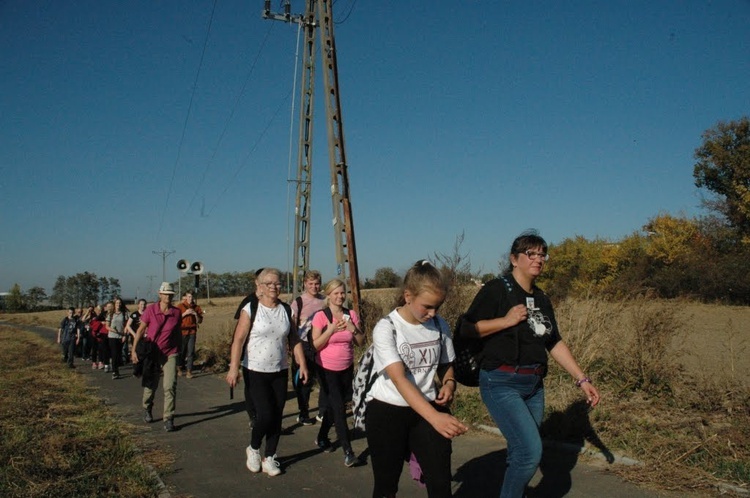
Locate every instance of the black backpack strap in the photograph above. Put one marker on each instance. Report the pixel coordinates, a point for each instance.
(288, 310)
(299, 310)
(253, 312)
(328, 313)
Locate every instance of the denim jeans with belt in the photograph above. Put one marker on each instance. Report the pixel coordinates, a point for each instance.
(516, 404)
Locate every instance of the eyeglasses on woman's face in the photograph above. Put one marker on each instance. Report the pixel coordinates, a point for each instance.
(534, 255)
(271, 285)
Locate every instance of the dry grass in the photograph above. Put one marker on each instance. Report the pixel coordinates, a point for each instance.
(671, 374)
(58, 440)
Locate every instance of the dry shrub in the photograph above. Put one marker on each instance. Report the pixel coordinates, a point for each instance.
(216, 351)
(689, 430)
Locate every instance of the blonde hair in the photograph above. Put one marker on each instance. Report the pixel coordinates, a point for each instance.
(421, 277)
(312, 275)
(331, 285)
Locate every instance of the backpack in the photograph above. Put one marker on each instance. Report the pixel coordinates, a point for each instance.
(363, 381)
(468, 351)
(254, 311)
(366, 377)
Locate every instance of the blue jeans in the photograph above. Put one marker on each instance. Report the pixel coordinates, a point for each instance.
(516, 404)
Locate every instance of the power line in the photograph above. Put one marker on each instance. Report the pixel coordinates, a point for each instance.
(229, 118)
(244, 162)
(187, 118)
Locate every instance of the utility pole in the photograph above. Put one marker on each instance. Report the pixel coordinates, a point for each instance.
(318, 14)
(163, 253)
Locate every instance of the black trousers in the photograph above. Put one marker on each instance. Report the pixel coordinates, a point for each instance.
(393, 433)
(335, 385)
(268, 392)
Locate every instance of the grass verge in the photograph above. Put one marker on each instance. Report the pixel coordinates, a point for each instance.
(58, 439)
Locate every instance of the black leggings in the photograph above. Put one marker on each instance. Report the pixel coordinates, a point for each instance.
(115, 354)
(335, 385)
(268, 393)
(393, 432)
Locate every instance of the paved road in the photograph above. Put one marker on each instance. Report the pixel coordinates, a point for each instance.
(212, 433)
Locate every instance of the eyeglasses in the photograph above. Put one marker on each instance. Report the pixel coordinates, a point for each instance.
(536, 255)
(272, 284)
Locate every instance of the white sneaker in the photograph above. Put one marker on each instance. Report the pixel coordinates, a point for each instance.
(253, 459)
(271, 466)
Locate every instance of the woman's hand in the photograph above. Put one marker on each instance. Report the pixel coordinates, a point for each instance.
(592, 394)
(517, 314)
(447, 425)
(233, 376)
(445, 396)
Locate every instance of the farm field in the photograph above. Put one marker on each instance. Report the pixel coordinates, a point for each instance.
(708, 339)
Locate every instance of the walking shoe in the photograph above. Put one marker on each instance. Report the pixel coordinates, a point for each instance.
(100, 365)
(115, 376)
(147, 416)
(253, 459)
(106, 368)
(350, 459)
(179, 372)
(271, 466)
(189, 374)
(93, 366)
(324, 444)
(319, 417)
(305, 420)
(169, 425)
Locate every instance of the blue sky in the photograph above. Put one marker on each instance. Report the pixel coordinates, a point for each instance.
(120, 135)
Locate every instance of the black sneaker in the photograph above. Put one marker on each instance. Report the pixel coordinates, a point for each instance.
(305, 420)
(350, 459)
(169, 425)
(324, 444)
(147, 416)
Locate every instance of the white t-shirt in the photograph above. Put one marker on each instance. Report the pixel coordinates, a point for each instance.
(418, 347)
(267, 348)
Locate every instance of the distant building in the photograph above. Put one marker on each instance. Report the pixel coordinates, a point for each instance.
(3, 296)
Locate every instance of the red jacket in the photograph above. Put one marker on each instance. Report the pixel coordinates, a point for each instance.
(99, 330)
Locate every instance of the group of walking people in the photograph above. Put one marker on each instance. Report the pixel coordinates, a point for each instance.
(108, 336)
(102, 335)
(408, 404)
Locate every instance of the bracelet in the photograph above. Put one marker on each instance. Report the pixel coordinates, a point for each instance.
(579, 382)
(451, 380)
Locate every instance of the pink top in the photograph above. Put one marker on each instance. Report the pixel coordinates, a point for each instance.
(338, 353)
(163, 328)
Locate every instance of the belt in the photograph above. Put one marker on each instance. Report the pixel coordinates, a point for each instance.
(540, 370)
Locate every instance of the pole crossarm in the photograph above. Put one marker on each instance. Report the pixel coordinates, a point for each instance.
(318, 15)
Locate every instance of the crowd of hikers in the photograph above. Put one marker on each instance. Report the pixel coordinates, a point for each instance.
(101, 334)
(401, 391)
